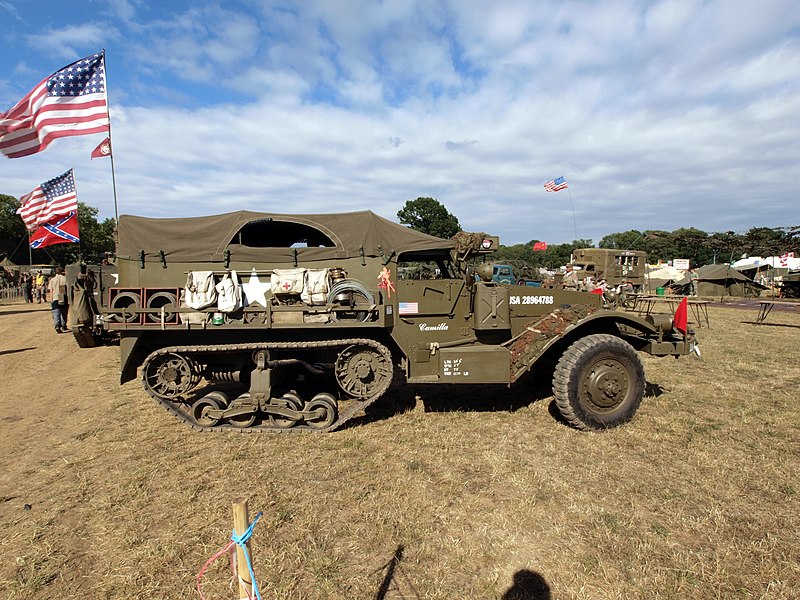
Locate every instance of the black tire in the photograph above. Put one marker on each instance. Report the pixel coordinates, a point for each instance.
(598, 382)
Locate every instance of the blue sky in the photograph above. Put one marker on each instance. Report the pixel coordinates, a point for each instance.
(659, 114)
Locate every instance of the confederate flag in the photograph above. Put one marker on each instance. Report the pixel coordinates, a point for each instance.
(60, 230)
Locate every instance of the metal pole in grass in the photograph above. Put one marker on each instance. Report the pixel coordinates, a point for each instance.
(241, 521)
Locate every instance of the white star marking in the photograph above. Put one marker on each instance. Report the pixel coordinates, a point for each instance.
(255, 291)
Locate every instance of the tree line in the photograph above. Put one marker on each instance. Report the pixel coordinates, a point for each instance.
(97, 237)
(429, 216)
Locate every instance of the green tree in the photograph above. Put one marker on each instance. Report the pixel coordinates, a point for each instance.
(659, 245)
(725, 247)
(629, 240)
(525, 260)
(96, 238)
(428, 215)
(12, 229)
(765, 241)
(692, 243)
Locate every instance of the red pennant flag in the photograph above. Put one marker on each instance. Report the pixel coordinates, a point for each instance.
(681, 319)
(539, 246)
(60, 230)
(104, 149)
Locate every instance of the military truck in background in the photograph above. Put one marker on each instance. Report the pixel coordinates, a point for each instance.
(615, 266)
(790, 285)
(258, 321)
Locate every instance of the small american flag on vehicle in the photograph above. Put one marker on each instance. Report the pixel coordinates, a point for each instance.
(408, 308)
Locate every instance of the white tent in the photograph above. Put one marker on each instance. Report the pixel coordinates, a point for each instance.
(666, 272)
(777, 262)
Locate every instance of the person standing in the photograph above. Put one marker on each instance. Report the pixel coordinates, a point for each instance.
(58, 300)
(570, 279)
(40, 289)
(693, 278)
(27, 287)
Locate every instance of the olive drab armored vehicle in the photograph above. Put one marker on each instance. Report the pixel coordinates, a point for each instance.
(255, 322)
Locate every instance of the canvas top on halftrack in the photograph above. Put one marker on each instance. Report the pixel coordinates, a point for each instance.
(257, 321)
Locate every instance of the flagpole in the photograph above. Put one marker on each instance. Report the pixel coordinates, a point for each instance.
(111, 155)
(574, 220)
(77, 217)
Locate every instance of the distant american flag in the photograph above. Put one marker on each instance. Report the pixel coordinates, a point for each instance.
(555, 185)
(52, 198)
(69, 102)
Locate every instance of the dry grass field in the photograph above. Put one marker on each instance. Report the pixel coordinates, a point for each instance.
(477, 492)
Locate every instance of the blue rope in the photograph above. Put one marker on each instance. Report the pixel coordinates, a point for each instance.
(241, 540)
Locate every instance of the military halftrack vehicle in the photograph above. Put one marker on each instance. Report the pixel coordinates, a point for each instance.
(256, 321)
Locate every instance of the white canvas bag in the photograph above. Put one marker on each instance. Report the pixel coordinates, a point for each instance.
(200, 292)
(288, 282)
(229, 293)
(316, 287)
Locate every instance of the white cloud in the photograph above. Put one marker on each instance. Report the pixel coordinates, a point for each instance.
(659, 114)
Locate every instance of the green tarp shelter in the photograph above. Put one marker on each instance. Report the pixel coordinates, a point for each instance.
(722, 280)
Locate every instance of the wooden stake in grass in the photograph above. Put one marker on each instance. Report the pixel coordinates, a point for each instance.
(241, 521)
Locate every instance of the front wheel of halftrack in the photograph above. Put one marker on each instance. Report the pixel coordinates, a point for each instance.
(598, 382)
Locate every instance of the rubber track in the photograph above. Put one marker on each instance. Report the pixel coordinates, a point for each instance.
(351, 411)
(84, 337)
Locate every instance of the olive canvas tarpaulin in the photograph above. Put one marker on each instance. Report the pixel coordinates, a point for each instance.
(257, 236)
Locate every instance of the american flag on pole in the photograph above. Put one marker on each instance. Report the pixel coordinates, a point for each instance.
(555, 185)
(71, 101)
(52, 198)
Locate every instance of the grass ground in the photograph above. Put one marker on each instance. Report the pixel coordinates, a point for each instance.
(104, 495)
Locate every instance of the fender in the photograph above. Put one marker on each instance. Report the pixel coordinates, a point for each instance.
(557, 330)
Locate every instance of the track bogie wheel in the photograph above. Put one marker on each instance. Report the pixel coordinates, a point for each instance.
(363, 371)
(325, 406)
(242, 421)
(201, 408)
(291, 401)
(598, 382)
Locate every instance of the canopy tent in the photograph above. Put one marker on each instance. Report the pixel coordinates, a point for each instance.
(722, 280)
(776, 262)
(758, 273)
(663, 276)
(5, 262)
